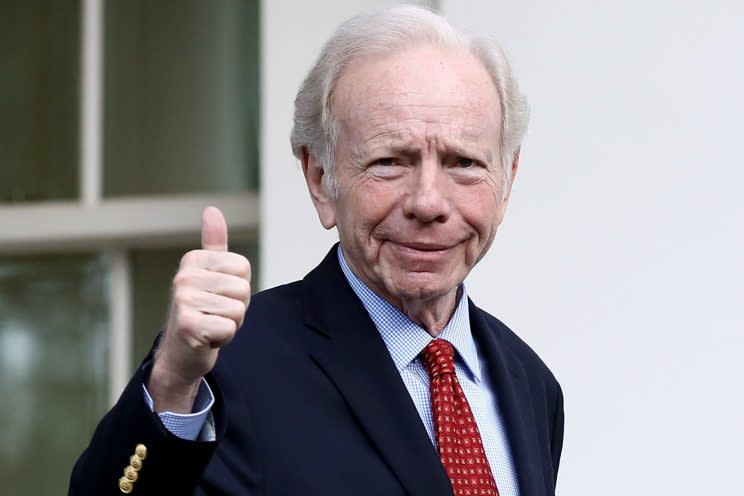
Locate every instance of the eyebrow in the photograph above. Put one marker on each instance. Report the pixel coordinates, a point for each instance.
(394, 142)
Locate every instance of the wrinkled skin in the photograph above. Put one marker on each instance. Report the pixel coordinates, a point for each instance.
(418, 163)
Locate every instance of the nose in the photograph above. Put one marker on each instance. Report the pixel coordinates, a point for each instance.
(427, 199)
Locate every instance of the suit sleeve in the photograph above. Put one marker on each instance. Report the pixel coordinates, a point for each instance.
(171, 465)
(556, 441)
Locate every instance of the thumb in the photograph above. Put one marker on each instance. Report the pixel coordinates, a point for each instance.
(213, 230)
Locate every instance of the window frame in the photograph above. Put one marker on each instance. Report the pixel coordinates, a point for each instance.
(114, 226)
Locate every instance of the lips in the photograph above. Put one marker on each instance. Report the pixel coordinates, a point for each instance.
(423, 246)
(422, 250)
(415, 257)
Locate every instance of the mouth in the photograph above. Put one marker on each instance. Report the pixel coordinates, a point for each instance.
(418, 246)
(421, 256)
(426, 247)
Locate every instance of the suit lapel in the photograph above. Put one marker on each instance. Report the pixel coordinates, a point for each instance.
(355, 359)
(509, 381)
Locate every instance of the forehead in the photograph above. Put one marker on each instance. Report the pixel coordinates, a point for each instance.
(423, 86)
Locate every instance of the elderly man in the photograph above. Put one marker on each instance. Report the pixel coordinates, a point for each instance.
(375, 374)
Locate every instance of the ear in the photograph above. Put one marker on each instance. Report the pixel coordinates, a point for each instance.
(324, 203)
(512, 174)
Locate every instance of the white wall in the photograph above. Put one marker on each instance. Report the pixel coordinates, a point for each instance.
(622, 257)
(620, 260)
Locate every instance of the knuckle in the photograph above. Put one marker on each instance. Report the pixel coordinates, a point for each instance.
(183, 278)
(179, 280)
(191, 258)
(231, 326)
(244, 266)
(240, 309)
(188, 322)
(181, 297)
(196, 343)
(228, 328)
(245, 288)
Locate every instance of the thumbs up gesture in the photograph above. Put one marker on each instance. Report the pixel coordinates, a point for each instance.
(210, 295)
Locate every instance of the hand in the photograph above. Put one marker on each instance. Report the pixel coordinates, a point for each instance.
(210, 295)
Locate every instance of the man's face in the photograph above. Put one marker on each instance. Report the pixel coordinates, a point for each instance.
(419, 171)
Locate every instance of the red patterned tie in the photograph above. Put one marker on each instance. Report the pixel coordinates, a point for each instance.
(458, 438)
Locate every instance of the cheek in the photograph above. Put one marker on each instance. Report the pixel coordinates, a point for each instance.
(481, 211)
(374, 201)
(484, 222)
(365, 207)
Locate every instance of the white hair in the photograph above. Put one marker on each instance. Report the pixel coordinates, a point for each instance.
(314, 128)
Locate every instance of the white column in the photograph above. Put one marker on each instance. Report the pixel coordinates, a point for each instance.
(91, 148)
(91, 93)
(120, 354)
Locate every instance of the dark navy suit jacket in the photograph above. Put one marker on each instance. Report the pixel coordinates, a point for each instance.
(309, 402)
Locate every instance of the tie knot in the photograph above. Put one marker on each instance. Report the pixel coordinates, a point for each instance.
(439, 358)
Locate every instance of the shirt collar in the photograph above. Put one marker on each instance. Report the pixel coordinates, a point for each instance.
(404, 338)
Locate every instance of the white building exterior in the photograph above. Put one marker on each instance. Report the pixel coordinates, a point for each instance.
(620, 260)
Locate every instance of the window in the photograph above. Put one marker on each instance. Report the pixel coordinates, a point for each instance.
(181, 98)
(39, 101)
(53, 350)
(124, 119)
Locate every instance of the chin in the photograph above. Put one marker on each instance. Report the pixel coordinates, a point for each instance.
(418, 291)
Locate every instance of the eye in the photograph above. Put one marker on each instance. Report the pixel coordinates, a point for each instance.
(466, 163)
(386, 161)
